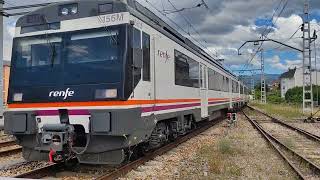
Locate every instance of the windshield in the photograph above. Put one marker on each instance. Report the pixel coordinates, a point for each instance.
(93, 47)
(82, 57)
(33, 52)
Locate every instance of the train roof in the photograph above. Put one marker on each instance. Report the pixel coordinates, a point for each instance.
(89, 8)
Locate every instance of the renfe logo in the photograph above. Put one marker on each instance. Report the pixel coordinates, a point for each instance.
(64, 94)
(164, 55)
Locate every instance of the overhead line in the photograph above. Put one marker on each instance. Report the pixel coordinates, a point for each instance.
(291, 37)
(266, 36)
(194, 29)
(177, 25)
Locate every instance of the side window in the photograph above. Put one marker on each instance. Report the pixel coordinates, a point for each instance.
(186, 70)
(211, 79)
(234, 87)
(194, 73)
(220, 80)
(224, 83)
(136, 45)
(227, 85)
(216, 80)
(146, 56)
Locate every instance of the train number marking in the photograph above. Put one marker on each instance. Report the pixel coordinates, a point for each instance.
(111, 18)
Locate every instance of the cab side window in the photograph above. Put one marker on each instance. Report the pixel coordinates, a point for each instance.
(136, 46)
(146, 56)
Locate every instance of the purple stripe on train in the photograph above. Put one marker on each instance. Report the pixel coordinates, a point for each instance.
(176, 106)
(167, 107)
(56, 112)
(217, 102)
(144, 109)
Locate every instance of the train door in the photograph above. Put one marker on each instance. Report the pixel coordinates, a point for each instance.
(204, 90)
(148, 65)
(153, 68)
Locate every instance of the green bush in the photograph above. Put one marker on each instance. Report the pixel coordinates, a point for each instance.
(275, 97)
(295, 95)
(257, 94)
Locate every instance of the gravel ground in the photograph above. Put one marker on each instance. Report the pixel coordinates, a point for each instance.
(5, 163)
(6, 138)
(83, 172)
(310, 127)
(21, 167)
(6, 160)
(219, 153)
(9, 159)
(6, 148)
(302, 145)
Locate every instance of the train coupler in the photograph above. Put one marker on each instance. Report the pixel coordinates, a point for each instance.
(57, 139)
(232, 119)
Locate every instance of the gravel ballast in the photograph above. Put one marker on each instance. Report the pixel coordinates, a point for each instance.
(221, 152)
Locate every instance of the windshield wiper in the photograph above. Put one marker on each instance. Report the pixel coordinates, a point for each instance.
(53, 54)
(52, 46)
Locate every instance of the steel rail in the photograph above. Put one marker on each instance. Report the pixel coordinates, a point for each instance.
(123, 170)
(7, 143)
(10, 151)
(277, 145)
(41, 172)
(299, 130)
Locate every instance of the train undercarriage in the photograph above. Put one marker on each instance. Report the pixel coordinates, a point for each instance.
(64, 141)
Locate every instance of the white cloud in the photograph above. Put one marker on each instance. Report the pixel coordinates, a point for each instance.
(275, 62)
(226, 26)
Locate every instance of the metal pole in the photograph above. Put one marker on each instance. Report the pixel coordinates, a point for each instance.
(306, 65)
(263, 81)
(252, 87)
(315, 67)
(1, 61)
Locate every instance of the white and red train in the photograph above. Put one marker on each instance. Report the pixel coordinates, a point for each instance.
(98, 79)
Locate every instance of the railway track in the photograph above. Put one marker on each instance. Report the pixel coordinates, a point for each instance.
(133, 165)
(7, 143)
(124, 169)
(9, 147)
(299, 148)
(38, 173)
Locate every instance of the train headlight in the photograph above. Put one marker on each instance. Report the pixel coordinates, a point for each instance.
(64, 11)
(105, 8)
(68, 9)
(74, 10)
(106, 93)
(17, 97)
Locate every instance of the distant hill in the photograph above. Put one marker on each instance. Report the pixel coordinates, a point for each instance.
(269, 78)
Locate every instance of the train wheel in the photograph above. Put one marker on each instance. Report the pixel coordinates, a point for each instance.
(159, 136)
(70, 164)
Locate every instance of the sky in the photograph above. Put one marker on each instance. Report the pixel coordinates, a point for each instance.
(225, 25)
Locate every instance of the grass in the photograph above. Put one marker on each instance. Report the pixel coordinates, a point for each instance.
(218, 157)
(240, 154)
(289, 143)
(224, 146)
(284, 110)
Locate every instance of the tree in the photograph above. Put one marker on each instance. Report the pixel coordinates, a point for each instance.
(295, 95)
(275, 97)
